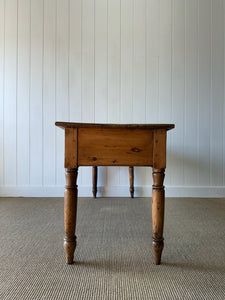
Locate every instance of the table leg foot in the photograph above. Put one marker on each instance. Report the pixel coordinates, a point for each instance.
(157, 246)
(70, 214)
(158, 199)
(132, 192)
(69, 247)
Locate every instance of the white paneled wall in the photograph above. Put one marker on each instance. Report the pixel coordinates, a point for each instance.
(122, 61)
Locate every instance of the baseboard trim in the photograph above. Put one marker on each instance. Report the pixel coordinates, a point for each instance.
(112, 191)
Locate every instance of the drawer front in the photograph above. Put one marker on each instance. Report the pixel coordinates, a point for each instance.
(115, 147)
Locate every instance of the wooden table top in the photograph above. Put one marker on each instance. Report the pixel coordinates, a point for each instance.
(97, 125)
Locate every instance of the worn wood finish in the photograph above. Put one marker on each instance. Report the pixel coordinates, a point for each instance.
(158, 194)
(131, 179)
(113, 147)
(159, 155)
(70, 148)
(121, 145)
(126, 126)
(94, 181)
(70, 213)
(158, 199)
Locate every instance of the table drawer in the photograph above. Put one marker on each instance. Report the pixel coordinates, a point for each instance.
(115, 147)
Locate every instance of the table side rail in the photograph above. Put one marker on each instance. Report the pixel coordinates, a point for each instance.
(115, 147)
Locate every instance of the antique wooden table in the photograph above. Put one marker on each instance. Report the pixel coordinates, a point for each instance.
(89, 144)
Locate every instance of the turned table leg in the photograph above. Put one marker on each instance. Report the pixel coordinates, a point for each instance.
(158, 199)
(131, 179)
(70, 212)
(94, 181)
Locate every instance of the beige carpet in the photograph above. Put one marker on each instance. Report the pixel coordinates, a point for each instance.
(114, 257)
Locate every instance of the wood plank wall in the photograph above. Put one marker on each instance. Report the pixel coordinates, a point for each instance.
(129, 61)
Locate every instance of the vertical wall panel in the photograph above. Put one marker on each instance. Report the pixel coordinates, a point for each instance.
(217, 100)
(139, 61)
(36, 89)
(2, 64)
(75, 54)
(114, 60)
(165, 62)
(178, 91)
(127, 13)
(49, 88)
(152, 60)
(204, 46)
(191, 93)
(101, 61)
(10, 92)
(23, 92)
(62, 99)
(88, 66)
(114, 31)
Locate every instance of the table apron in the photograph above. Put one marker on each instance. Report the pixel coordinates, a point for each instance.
(114, 147)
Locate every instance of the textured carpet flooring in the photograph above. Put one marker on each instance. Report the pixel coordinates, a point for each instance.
(114, 257)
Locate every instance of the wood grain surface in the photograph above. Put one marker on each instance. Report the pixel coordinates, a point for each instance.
(113, 147)
(98, 125)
